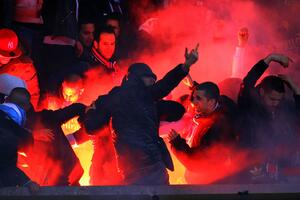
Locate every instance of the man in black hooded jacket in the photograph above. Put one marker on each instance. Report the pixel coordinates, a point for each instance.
(141, 154)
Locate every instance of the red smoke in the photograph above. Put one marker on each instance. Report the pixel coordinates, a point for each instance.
(215, 163)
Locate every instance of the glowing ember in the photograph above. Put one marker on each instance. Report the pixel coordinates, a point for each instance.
(24, 166)
(22, 154)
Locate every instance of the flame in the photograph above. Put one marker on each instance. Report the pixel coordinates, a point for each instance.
(71, 126)
(83, 151)
(177, 176)
(22, 154)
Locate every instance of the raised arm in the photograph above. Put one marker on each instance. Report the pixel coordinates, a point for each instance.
(164, 86)
(256, 72)
(239, 55)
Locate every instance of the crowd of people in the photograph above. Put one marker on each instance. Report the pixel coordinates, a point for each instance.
(62, 60)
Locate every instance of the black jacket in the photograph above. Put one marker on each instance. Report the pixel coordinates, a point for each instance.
(59, 150)
(133, 113)
(12, 138)
(221, 130)
(257, 127)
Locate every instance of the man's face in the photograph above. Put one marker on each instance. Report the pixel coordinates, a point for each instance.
(107, 45)
(271, 99)
(71, 93)
(115, 25)
(4, 60)
(201, 103)
(148, 80)
(86, 34)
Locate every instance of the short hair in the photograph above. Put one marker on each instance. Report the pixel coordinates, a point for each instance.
(270, 83)
(86, 21)
(19, 96)
(211, 90)
(112, 16)
(105, 29)
(73, 80)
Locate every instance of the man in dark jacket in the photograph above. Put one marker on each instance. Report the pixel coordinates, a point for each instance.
(212, 124)
(13, 137)
(268, 121)
(52, 161)
(103, 169)
(141, 154)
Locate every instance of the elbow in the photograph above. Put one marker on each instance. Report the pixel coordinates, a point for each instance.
(90, 127)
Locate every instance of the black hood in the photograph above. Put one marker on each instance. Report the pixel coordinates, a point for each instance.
(138, 70)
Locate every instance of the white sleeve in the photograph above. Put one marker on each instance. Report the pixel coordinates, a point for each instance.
(238, 63)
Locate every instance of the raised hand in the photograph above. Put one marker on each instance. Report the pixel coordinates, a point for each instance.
(243, 36)
(191, 57)
(279, 58)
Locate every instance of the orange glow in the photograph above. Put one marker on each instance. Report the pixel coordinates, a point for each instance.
(177, 176)
(71, 94)
(71, 126)
(52, 103)
(83, 151)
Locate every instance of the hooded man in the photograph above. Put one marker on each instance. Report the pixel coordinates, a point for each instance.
(142, 155)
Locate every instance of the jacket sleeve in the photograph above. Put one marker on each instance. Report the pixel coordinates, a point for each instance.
(164, 86)
(249, 82)
(238, 62)
(98, 118)
(189, 157)
(67, 113)
(170, 111)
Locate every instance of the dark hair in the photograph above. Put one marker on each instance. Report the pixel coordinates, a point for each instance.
(73, 78)
(86, 21)
(211, 90)
(105, 29)
(270, 83)
(113, 16)
(19, 96)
